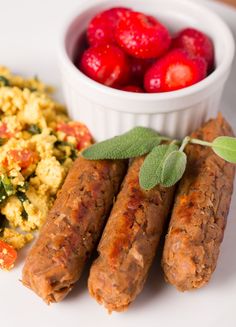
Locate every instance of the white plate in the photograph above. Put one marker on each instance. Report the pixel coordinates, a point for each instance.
(28, 36)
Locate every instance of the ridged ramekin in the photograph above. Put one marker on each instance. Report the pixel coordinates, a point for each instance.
(108, 112)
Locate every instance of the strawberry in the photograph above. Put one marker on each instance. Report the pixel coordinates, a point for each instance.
(142, 36)
(106, 64)
(196, 43)
(102, 26)
(176, 70)
(132, 88)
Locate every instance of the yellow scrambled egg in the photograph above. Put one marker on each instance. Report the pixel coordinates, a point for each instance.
(38, 144)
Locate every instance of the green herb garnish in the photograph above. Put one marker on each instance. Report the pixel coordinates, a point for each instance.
(9, 189)
(136, 142)
(4, 81)
(62, 143)
(34, 129)
(165, 164)
(159, 165)
(22, 197)
(24, 214)
(3, 224)
(2, 141)
(3, 195)
(73, 155)
(6, 187)
(223, 146)
(24, 187)
(32, 89)
(173, 168)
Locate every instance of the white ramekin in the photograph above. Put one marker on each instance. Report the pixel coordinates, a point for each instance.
(108, 112)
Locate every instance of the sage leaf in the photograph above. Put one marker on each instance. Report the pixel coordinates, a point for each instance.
(151, 170)
(136, 142)
(173, 168)
(225, 147)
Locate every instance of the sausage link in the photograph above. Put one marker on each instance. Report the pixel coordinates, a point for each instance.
(129, 242)
(72, 228)
(199, 216)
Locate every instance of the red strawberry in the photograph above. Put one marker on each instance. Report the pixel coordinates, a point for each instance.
(176, 70)
(106, 64)
(102, 26)
(196, 43)
(132, 88)
(142, 36)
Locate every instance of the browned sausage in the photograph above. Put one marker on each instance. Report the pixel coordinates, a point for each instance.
(199, 217)
(72, 228)
(129, 242)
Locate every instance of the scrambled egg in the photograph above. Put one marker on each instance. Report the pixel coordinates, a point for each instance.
(38, 144)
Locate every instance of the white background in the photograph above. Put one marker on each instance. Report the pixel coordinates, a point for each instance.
(29, 32)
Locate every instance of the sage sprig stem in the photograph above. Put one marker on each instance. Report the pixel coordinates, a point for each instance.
(199, 142)
(164, 164)
(184, 143)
